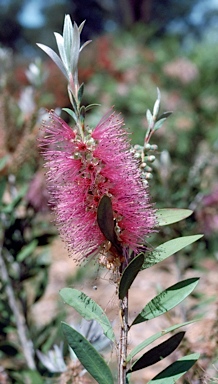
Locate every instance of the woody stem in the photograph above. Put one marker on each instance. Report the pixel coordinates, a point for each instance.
(123, 334)
(123, 340)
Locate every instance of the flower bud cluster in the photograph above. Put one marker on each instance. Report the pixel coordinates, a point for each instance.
(145, 156)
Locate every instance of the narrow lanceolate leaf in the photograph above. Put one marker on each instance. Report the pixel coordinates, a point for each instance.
(31, 377)
(27, 250)
(75, 48)
(80, 92)
(71, 113)
(3, 185)
(156, 107)
(88, 309)
(129, 275)
(88, 356)
(53, 55)
(159, 124)
(81, 26)
(82, 114)
(158, 353)
(106, 221)
(90, 106)
(168, 216)
(3, 162)
(68, 36)
(154, 337)
(172, 373)
(164, 115)
(166, 300)
(149, 117)
(61, 49)
(11, 206)
(168, 249)
(105, 218)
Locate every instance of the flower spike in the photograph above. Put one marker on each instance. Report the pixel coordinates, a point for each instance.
(81, 171)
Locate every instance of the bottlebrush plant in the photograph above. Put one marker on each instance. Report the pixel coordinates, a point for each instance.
(98, 186)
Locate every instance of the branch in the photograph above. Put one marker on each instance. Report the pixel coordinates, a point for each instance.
(26, 344)
(123, 340)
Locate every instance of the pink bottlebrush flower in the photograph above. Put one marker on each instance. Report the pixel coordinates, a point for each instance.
(81, 170)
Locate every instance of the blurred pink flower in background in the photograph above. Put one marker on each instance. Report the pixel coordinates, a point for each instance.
(207, 213)
(181, 69)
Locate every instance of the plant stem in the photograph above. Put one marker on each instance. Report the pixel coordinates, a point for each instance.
(26, 344)
(123, 340)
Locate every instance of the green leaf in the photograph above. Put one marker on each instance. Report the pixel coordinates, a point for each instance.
(53, 55)
(11, 207)
(71, 113)
(129, 275)
(88, 356)
(166, 300)
(3, 185)
(81, 26)
(149, 117)
(168, 249)
(154, 337)
(158, 353)
(3, 162)
(156, 105)
(164, 115)
(172, 373)
(73, 100)
(39, 284)
(90, 106)
(105, 218)
(168, 216)
(88, 309)
(159, 124)
(27, 251)
(82, 114)
(67, 39)
(32, 377)
(106, 221)
(80, 92)
(60, 43)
